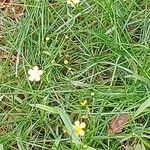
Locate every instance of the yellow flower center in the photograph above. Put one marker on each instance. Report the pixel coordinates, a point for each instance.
(78, 130)
(78, 127)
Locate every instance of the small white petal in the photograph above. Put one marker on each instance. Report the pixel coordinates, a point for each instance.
(30, 71)
(72, 4)
(31, 78)
(77, 1)
(35, 68)
(37, 78)
(69, 2)
(82, 125)
(40, 72)
(82, 132)
(77, 123)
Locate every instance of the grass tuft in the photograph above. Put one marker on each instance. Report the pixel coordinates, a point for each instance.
(97, 51)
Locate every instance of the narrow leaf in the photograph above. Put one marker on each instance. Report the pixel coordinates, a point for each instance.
(64, 118)
(1, 98)
(145, 105)
(46, 108)
(69, 126)
(140, 147)
(91, 148)
(1, 147)
(80, 84)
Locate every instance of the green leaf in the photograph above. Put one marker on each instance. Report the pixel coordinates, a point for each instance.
(91, 148)
(47, 53)
(64, 118)
(140, 147)
(1, 98)
(46, 108)
(1, 147)
(69, 126)
(145, 105)
(141, 78)
(80, 84)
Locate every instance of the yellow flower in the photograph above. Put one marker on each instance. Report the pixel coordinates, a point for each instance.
(84, 103)
(66, 62)
(78, 127)
(35, 73)
(73, 2)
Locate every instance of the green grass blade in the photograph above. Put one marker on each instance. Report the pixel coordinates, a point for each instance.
(1, 147)
(145, 105)
(91, 148)
(64, 118)
(46, 108)
(1, 98)
(69, 126)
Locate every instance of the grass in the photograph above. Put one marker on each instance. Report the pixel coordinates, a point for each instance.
(107, 46)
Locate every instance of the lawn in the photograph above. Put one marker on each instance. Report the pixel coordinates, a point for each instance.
(75, 76)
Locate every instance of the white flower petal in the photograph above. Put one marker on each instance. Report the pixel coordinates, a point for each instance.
(82, 125)
(72, 4)
(40, 72)
(76, 1)
(82, 133)
(35, 74)
(69, 2)
(30, 71)
(77, 123)
(35, 68)
(37, 78)
(31, 78)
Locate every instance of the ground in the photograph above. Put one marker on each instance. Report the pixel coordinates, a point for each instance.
(95, 58)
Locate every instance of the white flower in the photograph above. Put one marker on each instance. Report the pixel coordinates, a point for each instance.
(73, 2)
(35, 73)
(78, 127)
